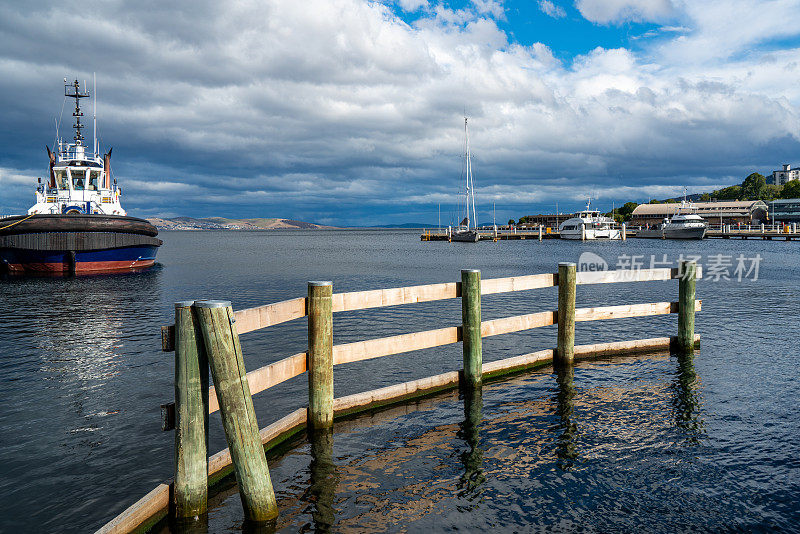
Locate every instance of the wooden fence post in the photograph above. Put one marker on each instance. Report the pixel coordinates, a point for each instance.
(236, 408)
(471, 327)
(686, 306)
(191, 415)
(320, 355)
(565, 348)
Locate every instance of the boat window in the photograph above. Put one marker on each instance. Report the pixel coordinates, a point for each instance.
(78, 179)
(61, 178)
(94, 179)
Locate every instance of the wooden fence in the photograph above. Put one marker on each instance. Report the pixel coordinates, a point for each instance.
(206, 334)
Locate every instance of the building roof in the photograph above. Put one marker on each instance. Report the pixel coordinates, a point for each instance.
(779, 201)
(701, 207)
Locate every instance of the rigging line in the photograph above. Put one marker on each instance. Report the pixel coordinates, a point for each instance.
(58, 122)
(17, 222)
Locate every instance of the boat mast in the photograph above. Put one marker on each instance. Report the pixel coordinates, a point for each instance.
(470, 187)
(77, 95)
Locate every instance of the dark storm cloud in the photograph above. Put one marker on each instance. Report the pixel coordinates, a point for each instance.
(341, 113)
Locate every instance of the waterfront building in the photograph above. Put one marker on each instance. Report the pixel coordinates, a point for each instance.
(785, 210)
(548, 220)
(727, 212)
(786, 174)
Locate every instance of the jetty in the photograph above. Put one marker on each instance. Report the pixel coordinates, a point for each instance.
(788, 232)
(205, 341)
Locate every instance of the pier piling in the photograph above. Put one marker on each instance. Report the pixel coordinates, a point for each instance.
(191, 415)
(221, 340)
(565, 348)
(686, 306)
(320, 355)
(471, 327)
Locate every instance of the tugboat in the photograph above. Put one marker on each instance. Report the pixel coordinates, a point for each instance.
(77, 224)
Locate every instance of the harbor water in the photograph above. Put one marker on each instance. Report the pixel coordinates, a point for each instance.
(648, 443)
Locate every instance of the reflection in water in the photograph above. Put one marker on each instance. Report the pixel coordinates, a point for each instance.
(566, 448)
(198, 525)
(686, 402)
(469, 485)
(88, 320)
(263, 527)
(324, 479)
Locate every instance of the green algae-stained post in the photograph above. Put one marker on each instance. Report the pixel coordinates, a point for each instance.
(191, 415)
(471, 326)
(565, 348)
(236, 408)
(686, 306)
(320, 355)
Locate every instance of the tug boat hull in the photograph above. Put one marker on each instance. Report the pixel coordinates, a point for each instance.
(64, 244)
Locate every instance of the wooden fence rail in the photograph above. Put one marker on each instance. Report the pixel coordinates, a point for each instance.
(318, 362)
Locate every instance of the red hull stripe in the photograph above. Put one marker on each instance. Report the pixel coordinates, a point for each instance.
(80, 267)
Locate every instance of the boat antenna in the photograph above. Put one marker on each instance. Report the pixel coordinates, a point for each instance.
(60, 116)
(94, 111)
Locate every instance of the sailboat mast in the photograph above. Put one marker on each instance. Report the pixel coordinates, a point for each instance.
(470, 186)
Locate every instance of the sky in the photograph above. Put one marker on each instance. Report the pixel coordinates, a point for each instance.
(349, 112)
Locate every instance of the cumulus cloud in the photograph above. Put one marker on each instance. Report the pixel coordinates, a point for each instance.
(549, 8)
(618, 11)
(412, 5)
(341, 111)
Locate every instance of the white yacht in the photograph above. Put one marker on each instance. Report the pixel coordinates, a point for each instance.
(589, 224)
(682, 225)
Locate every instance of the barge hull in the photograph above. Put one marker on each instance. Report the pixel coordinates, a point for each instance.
(20, 261)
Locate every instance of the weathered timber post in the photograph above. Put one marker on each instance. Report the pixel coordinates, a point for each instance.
(624, 232)
(320, 355)
(540, 232)
(565, 348)
(583, 232)
(471, 327)
(686, 307)
(236, 408)
(191, 415)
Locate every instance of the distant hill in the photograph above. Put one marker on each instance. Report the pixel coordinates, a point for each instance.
(223, 223)
(404, 225)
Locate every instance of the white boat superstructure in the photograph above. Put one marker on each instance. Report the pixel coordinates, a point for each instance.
(79, 179)
(685, 226)
(589, 224)
(467, 232)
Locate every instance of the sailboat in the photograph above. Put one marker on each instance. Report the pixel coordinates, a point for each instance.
(467, 232)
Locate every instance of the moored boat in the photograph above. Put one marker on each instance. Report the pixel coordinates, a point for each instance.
(681, 226)
(77, 224)
(467, 231)
(589, 224)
